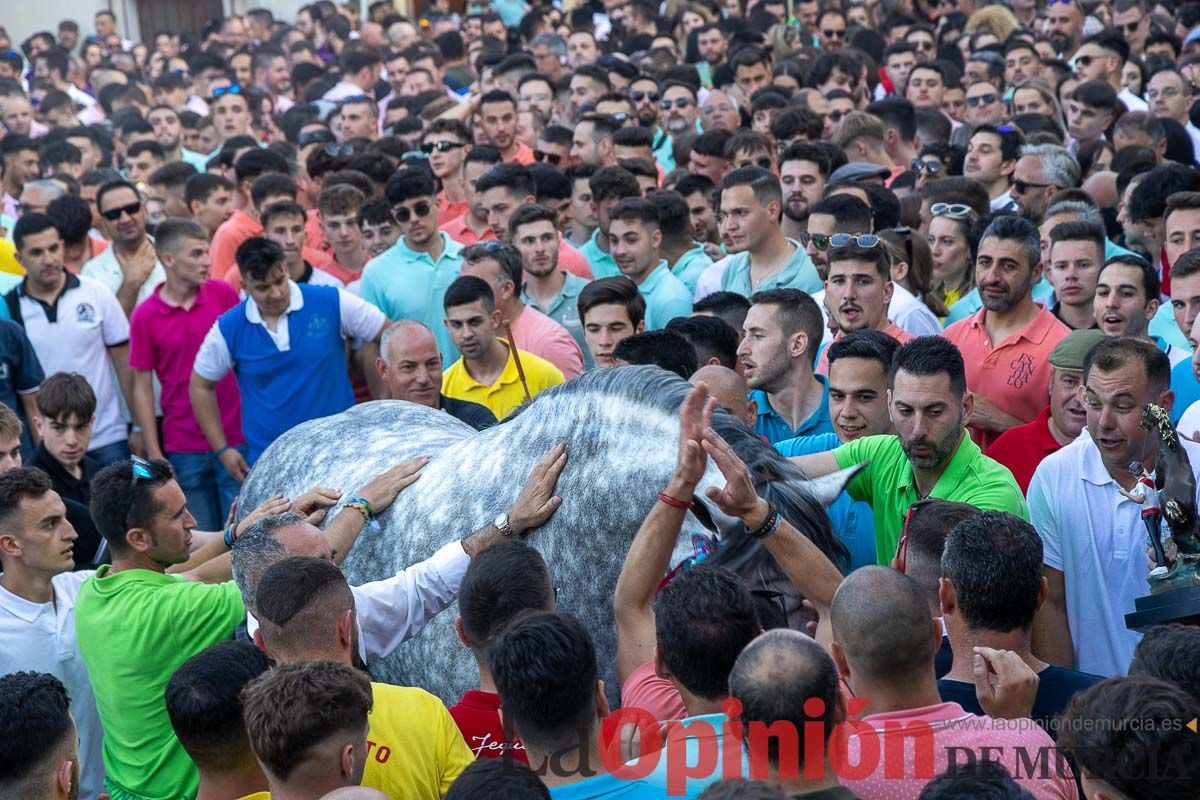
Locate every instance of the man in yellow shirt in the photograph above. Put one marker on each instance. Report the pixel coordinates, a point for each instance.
(487, 371)
(413, 747)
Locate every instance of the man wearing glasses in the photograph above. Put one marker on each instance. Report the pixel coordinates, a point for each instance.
(1132, 19)
(1100, 58)
(644, 91)
(130, 267)
(1169, 95)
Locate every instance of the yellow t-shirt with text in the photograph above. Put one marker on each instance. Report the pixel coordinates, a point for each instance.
(414, 748)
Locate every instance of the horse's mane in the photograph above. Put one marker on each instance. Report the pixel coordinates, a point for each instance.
(777, 479)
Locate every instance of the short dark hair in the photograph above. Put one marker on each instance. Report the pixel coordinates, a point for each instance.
(712, 337)
(203, 699)
(257, 161)
(201, 185)
(614, 290)
(926, 356)
(1112, 353)
(994, 560)
(796, 312)
(877, 256)
(500, 583)
(257, 257)
(284, 208)
(661, 348)
(1151, 760)
(1151, 287)
(1170, 652)
(497, 96)
(152, 147)
(532, 212)
(497, 779)
(974, 779)
(467, 289)
(1015, 228)
(848, 212)
(173, 173)
(35, 719)
(72, 216)
(1148, 200)
(31, 225)
(898, 113)
(703, 619)
(613, 183)
(113, 186)
(332, 697)
(408, 183)
(64, 395)
(550, 183)
(712, 143)
(867, 344)
(17, 485)
(762, 183)
(120, 504)
(513, 177)
(545, 670)
(1079, 231)
(271, 184)
(635, 209)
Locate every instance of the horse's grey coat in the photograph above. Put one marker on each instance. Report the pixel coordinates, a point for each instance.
(621, 430)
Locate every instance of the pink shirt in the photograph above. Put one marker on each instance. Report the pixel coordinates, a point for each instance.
(165, 339)
(1020, 745)
(534, 332)
(233, 231)
(655, 695)
(893, 330)
(1013, 374)
(460, 230)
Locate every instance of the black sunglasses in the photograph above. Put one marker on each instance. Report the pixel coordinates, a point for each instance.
(442, 146)
(339, 150)
(834, 34)
(114, 214)
(678, 102)
(404, 214)
(315, 137)
(549, 158)
(932, 167)
(639, 96)
(983, 99)
(1024, 186)
(819, 240)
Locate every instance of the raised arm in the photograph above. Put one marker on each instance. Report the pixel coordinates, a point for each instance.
(816, 465)
(649, 555)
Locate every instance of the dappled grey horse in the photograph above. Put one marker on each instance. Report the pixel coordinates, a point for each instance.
(621, 430)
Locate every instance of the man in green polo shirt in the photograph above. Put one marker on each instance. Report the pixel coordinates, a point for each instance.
(408, 280)
(930, 455)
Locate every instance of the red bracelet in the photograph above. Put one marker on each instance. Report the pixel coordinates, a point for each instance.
(674, 503)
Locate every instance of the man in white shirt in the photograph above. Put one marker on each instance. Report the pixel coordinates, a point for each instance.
(1095, 540)
(37, 604)
(129, 268)
(75, 325)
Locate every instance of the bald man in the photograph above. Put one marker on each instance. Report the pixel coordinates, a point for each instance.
(729, 389)
(411, 367)
(883, 645)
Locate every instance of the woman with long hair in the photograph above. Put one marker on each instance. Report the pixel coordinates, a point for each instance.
(912, 276)
(950, 246)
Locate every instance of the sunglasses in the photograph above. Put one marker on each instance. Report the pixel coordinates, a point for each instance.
(678, 102)
(951, 210)
(221, 91)
(1129, 27)
(549, 158)
(620, 117)
(819, 240)
(765, 163)
(834, 34)
(981, 100)
(339, 150)
(442, 146)
(314, 137)
(902, 545)
(142, 470)
(404, 214)
(1024, 186)
(1084, 61)
(357, 98)
(837, 114)
(920, 165)
(638, 97)
(867, 240)
(923, 46)
(114, 214)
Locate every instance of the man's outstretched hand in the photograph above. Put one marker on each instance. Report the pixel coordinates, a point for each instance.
(537, 501)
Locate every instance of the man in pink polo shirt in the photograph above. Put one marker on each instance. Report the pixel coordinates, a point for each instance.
(858, 289)
(1006, 345)
(499, 264)
(884, 644)
(166, 331)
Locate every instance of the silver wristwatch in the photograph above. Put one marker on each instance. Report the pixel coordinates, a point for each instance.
(502, 524)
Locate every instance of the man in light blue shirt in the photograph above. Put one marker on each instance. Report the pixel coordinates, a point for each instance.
(762, 258)
(409, 279)
(685, 257)
(634, 238)
(609, 186)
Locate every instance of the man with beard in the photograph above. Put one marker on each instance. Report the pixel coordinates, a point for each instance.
(712, 45)
(1041, 172)
(1007, 343)
(991, 158)
(803, 171)
(1095, 540)
(783, 328)
(498, 121)
(1022, 448)
(1127, 297)
(644, 91)
(168, 132)
(1064, 23)
(930, 455)
(40, 753)
(680, 107)
(533, 230)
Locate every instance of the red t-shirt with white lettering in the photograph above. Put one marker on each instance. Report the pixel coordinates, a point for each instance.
(477, 715)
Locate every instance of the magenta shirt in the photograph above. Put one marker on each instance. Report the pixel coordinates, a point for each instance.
(165, 339)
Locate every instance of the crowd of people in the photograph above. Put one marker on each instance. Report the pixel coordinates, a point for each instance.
(943, 254)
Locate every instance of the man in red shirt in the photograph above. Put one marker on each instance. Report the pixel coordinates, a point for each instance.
(1022, 448)
(503, 581)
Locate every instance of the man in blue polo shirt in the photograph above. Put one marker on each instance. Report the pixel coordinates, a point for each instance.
(286, 343)
(783, 331)
(408, 280)
(634, 237)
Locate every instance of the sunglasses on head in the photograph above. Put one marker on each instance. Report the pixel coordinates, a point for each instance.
(867, 240)
(357, 98)
(404, 214)
(221, 91)
(442, 146)
(639, 96)
(678, 102)
(951, 210)
(114, 214)
(981, 100)
(550, 158)
(920, 165)
(1024, 186)
(819, 240)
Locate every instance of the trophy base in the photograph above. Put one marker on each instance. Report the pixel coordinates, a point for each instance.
(1172, 605)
